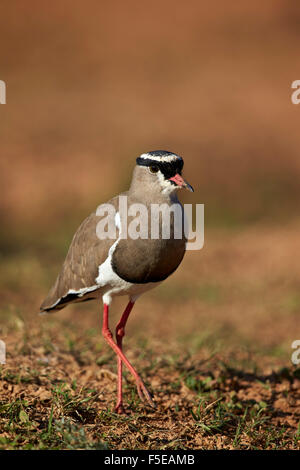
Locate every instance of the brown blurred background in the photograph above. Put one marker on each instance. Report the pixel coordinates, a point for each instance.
(93, 84)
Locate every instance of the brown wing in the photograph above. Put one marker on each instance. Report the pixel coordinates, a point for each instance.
(80, 268)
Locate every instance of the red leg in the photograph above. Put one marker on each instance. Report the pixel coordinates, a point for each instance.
(120, 332)
(141, 388)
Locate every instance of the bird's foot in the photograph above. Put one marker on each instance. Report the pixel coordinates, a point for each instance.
(119, 409)
(144, 393)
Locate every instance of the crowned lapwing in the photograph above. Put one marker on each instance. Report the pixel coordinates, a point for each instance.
(98, 265)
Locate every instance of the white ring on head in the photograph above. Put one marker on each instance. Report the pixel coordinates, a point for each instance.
(166, 158)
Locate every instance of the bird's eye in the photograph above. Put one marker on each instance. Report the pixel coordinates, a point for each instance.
(153, 169)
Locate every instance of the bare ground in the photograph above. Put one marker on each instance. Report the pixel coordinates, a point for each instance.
(213, 344)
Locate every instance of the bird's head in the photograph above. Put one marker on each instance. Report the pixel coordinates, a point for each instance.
(161, 170)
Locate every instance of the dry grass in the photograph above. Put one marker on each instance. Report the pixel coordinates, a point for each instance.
(90, 86)
(214, 348)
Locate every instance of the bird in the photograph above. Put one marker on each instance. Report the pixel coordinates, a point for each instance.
(98, 267)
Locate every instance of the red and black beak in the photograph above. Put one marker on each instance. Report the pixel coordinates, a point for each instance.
(179, 181)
